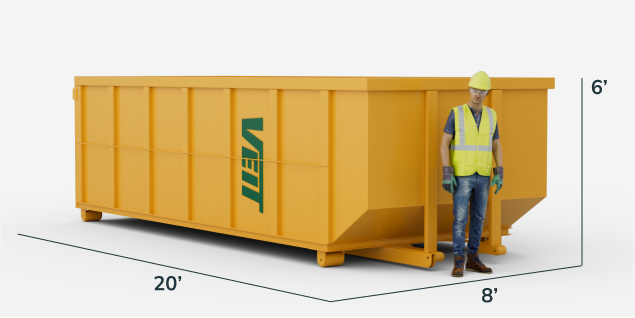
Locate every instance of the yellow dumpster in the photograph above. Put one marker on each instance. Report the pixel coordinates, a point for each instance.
(334, 164)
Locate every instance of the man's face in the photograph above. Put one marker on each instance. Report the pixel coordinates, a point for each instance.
(477, 95)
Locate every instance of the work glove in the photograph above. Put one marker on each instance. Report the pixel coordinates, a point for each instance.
(449, 182)
(498, 178)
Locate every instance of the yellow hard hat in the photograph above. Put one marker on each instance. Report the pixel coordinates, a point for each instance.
(481, 81)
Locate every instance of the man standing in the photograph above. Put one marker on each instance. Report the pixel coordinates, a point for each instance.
(470, 138)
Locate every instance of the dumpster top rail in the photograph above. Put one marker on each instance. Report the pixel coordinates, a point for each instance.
(314, 82)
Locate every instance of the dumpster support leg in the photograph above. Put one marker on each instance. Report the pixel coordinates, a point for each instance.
(430, 179)
(493, 244)
(88, 215)
(328, 259)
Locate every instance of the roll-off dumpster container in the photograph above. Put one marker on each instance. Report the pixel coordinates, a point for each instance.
(334, 164)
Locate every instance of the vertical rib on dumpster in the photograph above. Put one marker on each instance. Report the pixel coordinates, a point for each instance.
(112, 151)
(493, 245)
(228, 167)
(430, 195)
(147, 127)
(114, 103)
(186, 158)
(79, 148)
(325, 132)
(272, 183)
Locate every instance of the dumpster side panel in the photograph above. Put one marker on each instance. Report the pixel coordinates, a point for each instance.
(207, 191)
(167, 135)
(167, 126)
(515, 209)
(168, 190)
(524, 140)
(207, 121)
(300, 201)
(131, 118)
(131, 122)
(350, 159)
(523, 131)
(301, 130)
(251, 107)
(207, 170)
(98, 158)
(395, 162)
(98, 112)
(300, 174)
(445, 218)
(130, 176)
(395, 149)
(98, 166)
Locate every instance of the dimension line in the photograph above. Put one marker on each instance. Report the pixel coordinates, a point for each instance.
(287, 292)
(582, 171)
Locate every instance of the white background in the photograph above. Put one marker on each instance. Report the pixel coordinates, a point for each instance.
(44, 45)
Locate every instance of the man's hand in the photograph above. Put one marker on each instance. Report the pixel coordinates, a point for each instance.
(498, 178)
(449, 182)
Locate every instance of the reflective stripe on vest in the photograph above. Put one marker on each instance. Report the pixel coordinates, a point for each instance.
(471, 148)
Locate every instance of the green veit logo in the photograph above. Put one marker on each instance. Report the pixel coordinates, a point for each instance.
(253, 176)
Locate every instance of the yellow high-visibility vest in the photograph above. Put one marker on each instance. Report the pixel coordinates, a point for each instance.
(471, 148)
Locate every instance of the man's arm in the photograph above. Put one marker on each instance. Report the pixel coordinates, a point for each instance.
(497, 151)
(445, 149)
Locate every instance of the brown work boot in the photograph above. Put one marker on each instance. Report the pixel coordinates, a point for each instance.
(474, 264)
(459, 261)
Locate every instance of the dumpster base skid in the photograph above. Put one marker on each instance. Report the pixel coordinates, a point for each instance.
(328, 259)
(492, 250)
(88, 215)
(403, 254)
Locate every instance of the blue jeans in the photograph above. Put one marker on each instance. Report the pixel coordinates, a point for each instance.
(474, 190)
